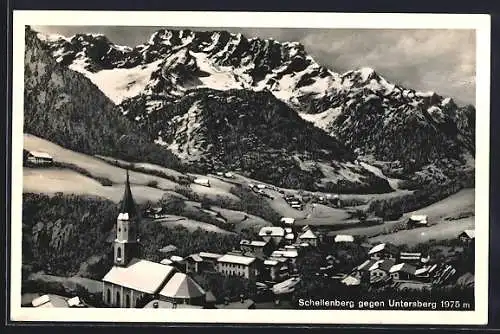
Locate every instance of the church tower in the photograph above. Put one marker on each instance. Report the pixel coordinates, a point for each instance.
(125, 244)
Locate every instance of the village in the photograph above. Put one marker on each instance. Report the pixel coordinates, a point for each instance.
(270, 263)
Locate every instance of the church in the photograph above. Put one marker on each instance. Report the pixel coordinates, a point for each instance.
(131, 279)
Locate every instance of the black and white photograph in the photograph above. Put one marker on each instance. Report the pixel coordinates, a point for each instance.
(211, 167)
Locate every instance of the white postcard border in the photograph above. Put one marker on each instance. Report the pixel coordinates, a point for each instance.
(479, 22)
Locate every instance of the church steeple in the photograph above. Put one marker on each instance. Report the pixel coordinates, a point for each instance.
(125, 245)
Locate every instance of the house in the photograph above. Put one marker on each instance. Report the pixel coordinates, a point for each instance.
(343, 238)
(285, 221)
(182, 289)
(362, 272)
(425, 273)
(351, 280)
(237, 265)
(274, 233)
(286, 286)
(49, 301)
(202, 181)
(417, 221)
(291, 254)
(384, 251)
(402, 271)
(193, 262)
(209, 260)
(379, 271)
(261, 186)
(154, 213)
(39, 158)
(169, 249)
(467, 236)
(166, 262)
(411, 258)
(258, 248)
(75, 302)
(308, 237)
(290, 238)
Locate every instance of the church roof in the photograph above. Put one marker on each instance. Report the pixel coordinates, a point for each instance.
(128, 203)
(182, 286)
(140, 275)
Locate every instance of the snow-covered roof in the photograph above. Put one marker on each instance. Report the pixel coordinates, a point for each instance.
(195, 257)
(39, 154)
(75, 301)
(141, 275)
(350, 280)
(383, 246)
(470, 233)
(287, 220)
(366, 265)
(290, 236)
(230, 258)
(270, 262)
(176, 258)
(210, 255)
(376, 249)
(421, 271)
(256, 243)
(344, 238)
(273, 231)
(309, 234)
(418, 217)
(182, 286)
(166, 261)
(403, 267)
(40, 301)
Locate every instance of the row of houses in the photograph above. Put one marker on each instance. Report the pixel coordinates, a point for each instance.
(386, 263)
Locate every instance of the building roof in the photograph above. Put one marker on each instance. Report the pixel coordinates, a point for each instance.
(166, 261)
(403, 267)
(141, 275)
(195, 258)
(470, 233)
(176, 258)
(182, 286)
(238, 259)
(384, 265)
(168, 249)
(256, 243)
(39, 154)
(366, 265)
(164, 304)
(344, 238)
(285, 253)
(75, 301)
(290, 236)
(287, 220)
(410, 256)
(214, 256)
(273, 231)
(418, 217)
(309, 234)
(40, 301)
(270, 262)
(128, 203)
(384, 246)
(351, 280)
(288, 230)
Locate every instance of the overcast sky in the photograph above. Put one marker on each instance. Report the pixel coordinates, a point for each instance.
(439, 60)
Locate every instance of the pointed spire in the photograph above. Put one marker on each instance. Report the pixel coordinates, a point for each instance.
(128, 204)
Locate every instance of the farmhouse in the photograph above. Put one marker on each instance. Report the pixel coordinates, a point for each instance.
(467, 236)
(202, 181)
(308, 237)
(287, 221)
(237, 265)
(379, 271)
(417, 221)
(274, 233)
(343, 238)
(410, 258)
(384, 251)
(258, 248)
(402, 271)
(39, 158)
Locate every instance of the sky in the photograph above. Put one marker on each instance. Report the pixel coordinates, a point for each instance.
(443, 61)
